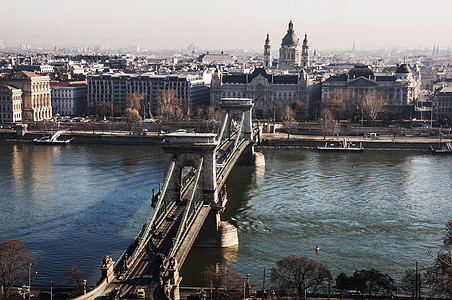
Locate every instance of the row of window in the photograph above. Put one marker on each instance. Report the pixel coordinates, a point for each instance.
(40, 87)
(9, 117)
(442, 104)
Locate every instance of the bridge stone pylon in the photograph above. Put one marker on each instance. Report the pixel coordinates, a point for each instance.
(236, 109)
(187, 149)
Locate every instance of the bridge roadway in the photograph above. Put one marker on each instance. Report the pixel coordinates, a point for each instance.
(147, 271)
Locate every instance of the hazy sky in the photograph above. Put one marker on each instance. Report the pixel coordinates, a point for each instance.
(228, 24)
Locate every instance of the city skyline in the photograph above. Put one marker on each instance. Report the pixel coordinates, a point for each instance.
(241, 25)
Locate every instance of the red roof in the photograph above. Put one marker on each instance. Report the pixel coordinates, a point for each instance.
(66, 83)
(7, 88)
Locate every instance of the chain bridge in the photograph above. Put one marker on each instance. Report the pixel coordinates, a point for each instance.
(187, 206)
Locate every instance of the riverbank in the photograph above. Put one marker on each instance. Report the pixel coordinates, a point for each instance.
(268, 140)
(386, 142)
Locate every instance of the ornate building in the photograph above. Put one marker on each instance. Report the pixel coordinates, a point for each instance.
(291, 54)
(36, 94)
(10, 104)
(265, 89)
(399, 90)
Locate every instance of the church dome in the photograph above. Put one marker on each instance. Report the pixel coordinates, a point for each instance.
(360, 71)
(403, 68)
(290, 39)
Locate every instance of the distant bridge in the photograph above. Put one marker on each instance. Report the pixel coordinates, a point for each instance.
(188, 205)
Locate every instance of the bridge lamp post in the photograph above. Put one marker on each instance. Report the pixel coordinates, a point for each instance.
(29, 280)
(51, 290)
(246, 286)
(84, 286)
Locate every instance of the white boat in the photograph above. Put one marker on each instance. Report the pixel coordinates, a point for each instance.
(53, 140)
(444, 149)
(341, 146)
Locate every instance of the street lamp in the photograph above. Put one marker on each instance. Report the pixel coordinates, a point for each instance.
(51, 290)
(29, 280)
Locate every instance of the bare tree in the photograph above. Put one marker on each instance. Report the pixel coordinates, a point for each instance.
(440, 275)
(371, 105)
(288, 118)
(411, 282)
(131, 117)
(222, 280)
(102, 108)
(78, 279)
(337, 108)
(327, 122)
(133, 100)
(166, 102)
(293, 273)
(15, 259)
(348, 106)
(278, 111)
(395, 131)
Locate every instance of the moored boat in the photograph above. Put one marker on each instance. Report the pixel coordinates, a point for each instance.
(443, 149)
(341, 146)
(52, 140)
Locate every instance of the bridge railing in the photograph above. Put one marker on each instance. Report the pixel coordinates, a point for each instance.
(139, 243)
(191, 210)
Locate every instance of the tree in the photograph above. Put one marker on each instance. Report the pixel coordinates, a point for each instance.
(343, 282)
(373, 282)
(133, 100)
(371, 105)
(288, 119)
(15, 259)
(78, 279)
(131, 117)
(293, 273)
(278, 112)
(131, 113)
(299, 109)
(440, 275)
(348, 106)
(167, 103)
(410, 284)
(222, 280)
(395, 131)
(102, 108)
(337, 108)
(327, 122)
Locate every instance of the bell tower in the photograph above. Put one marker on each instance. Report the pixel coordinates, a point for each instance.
(305, 52)
(267, 52)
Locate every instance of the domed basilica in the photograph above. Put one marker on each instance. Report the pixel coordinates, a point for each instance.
(291, 54)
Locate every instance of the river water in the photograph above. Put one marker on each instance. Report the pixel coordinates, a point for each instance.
(72, 205)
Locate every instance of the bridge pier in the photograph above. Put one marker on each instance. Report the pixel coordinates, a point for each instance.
(250, 157)
(216, 233)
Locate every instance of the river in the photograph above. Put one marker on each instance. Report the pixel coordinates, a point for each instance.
(377, 209)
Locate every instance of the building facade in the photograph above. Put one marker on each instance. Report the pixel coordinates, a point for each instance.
(399, 90)
(291, 53)
(265, 89)
(112, 88)
(442, 103)
(35, 94)
(69, 97)
(10, 104)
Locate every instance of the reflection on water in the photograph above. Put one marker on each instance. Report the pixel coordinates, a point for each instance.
(73, 205)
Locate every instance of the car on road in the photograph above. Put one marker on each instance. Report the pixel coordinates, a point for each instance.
(159, 235)
(141, 294)
(172, 217)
